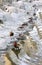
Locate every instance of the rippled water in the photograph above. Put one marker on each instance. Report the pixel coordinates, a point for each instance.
(30, 49)
(27, 56)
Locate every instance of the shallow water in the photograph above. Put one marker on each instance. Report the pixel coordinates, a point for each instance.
(13, 16)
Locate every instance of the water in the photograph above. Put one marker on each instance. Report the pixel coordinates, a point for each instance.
(13, 14)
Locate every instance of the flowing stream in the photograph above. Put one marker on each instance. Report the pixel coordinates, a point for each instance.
(23, 17)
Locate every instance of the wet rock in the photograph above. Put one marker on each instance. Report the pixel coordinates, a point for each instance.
(11, 33)
(1, 22)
